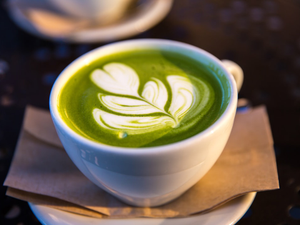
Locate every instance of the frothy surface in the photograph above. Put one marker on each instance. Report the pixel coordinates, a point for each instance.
(141, 98)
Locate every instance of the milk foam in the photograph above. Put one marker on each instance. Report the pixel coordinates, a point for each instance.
(156, 93)
(182, 96)
(132, 124)
(117, 78)
(125, 110)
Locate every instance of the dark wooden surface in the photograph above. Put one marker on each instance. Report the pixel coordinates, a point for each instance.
(262, 36)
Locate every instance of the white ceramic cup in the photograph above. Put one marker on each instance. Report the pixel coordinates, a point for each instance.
(149, 176)
(104, 11)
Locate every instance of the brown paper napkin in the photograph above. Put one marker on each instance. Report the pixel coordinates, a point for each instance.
(41, 172)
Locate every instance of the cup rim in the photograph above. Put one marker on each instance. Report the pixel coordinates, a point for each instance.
(77, 63)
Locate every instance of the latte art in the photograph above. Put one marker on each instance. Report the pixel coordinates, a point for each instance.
(142, 98)
(121, 112)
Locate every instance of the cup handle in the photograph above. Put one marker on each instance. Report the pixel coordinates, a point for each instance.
(236, 71)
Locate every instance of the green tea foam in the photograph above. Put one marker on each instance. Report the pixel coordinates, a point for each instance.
(142, 98)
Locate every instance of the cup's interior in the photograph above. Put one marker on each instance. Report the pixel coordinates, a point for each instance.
(210, 62)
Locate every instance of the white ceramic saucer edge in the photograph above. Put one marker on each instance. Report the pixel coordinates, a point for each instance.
(151, 17)
(228, 214)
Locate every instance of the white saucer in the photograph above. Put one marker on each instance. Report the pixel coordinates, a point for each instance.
(38, 22)
(228, 214)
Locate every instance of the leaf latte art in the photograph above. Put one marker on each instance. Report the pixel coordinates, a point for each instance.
(160, 105)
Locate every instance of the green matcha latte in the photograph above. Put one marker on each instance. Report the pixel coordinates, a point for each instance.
(142, 98)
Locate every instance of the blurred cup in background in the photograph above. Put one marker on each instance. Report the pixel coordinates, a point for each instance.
(104, 11)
